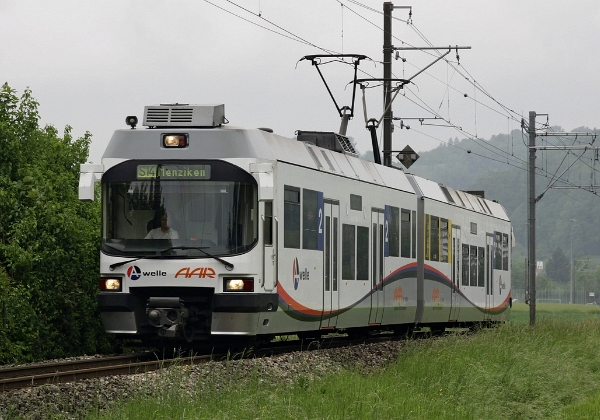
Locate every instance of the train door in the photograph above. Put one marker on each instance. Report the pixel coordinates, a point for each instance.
(331, 264)
(489, 272)
(456, 260)
(377, 262)
(270, 247)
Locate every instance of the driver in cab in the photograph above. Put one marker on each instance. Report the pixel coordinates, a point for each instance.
(164, 231)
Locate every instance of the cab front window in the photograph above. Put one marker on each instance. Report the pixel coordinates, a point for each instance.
(150, 207)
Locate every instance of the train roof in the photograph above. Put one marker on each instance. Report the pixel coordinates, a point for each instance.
(229, 142)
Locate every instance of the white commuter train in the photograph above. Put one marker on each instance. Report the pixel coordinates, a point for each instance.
(266, 235)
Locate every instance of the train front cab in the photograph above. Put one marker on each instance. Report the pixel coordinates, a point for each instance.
(204, 281)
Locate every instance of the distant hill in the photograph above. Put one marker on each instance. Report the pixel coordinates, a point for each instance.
(485, 169)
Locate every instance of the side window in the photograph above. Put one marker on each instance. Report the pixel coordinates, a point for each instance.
(427, 237)
(435, 238)
(348, 252)
(497, 251)
(465, 265)
(394, 232)
(414, 234)
(291, 217)
(505, 252)
(310, 219)
(473, 266)
(444, 241)
(268, 223)
(362, 253)
(480, 266)
(405, 233)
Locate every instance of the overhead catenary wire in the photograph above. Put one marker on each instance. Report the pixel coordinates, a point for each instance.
(289, 35)
(470, 79)
(476, 86)
(260, 26)
(538, 170)
(294, 36)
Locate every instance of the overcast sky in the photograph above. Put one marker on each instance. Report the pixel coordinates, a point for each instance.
(92, 63)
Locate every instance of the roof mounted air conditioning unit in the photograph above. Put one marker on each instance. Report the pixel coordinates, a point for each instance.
(184, 115)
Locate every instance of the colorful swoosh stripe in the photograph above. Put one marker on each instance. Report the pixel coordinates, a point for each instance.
(303, 313)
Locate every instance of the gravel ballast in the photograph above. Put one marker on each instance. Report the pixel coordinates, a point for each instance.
(74, 400)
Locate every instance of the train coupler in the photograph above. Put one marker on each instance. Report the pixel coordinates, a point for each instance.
(168, 314)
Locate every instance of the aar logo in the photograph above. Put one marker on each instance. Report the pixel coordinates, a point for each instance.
(134, 272)
(296, 274)
(200, 272)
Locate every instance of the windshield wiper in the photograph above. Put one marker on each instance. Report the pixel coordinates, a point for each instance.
(227, 264)
(148, 257)
(115, 265)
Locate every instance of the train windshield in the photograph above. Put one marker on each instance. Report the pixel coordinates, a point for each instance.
(178, 208)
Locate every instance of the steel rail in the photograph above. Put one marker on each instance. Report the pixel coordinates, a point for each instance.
(70, 371)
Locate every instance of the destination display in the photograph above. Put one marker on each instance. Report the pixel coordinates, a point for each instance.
(173, 171)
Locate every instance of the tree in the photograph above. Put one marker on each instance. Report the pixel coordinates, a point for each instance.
(49, 240)
(558, 266)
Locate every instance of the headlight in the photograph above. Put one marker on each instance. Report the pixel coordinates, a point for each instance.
(238, 284)
(175, 140)
(111, 284)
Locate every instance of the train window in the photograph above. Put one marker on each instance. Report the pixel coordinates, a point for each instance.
(327, 253)
(427, 237)
(291, 217)
(435, 238)
(497, 251)
(444, 241)
(405, 233)
(474, 228)
(505, 252)
(394, 232)
(465, 265)
(473, 265)
(362, 253)
(480, 266)
(348, 252)
(414, 234)
(335, 254)
(355, 202)
(310, 219)
(268, 223)
(209, 205)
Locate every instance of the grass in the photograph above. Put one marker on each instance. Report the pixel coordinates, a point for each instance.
(551, 371)
(554, 311)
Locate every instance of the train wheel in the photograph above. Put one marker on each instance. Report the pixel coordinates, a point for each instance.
(437, 329)
(308, 336)
(404, 331)
(358, 333)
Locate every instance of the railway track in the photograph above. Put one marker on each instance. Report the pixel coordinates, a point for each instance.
(68, 371)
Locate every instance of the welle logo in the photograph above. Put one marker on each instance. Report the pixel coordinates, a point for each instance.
(135, 273)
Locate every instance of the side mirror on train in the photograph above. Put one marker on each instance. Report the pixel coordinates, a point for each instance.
(89, 174)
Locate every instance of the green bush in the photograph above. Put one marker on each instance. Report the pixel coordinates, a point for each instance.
(49, 240)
